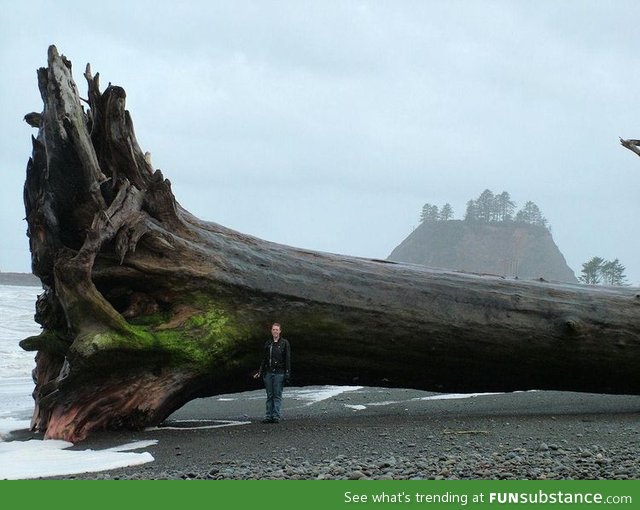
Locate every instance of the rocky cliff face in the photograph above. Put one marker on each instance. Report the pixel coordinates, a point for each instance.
(509, 249)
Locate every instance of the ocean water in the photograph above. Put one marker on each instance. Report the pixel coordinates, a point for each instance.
(36, 458)
(17, 307)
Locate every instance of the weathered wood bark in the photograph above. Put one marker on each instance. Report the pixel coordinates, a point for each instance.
(146, 307)
(632, 145)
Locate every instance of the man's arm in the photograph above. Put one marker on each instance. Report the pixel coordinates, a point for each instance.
(262, 365)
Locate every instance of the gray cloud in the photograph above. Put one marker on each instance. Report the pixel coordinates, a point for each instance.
(327, 125)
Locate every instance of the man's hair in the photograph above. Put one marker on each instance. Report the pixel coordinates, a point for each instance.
(276, 324)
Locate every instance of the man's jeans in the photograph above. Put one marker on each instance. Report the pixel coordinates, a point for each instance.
(274, 382)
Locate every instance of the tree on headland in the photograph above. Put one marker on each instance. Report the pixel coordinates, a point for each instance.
(504, 206)
(613, 273)
(604, 272)
(446, 213)
(429, 213)
(491, 208)
(471, 211)
(486, 206)
(591, 271)
(530, 213)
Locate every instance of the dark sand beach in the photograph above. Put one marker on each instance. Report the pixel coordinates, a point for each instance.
(380, 433)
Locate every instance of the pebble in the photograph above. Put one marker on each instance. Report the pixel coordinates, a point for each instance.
(538, 453)
(477, 462)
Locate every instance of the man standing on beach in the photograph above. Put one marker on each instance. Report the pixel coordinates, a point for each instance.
(275, 370)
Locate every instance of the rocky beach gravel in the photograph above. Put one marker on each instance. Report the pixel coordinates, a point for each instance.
(392, 434)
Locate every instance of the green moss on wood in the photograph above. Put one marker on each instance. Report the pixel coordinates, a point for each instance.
(47, 341)
(155, 319)
(204, 340)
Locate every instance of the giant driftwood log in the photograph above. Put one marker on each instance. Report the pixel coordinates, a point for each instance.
(146, 306)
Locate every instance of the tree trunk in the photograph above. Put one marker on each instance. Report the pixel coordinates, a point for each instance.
(147, 307)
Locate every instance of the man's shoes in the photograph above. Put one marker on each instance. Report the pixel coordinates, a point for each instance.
(275, 420)
(268, 420)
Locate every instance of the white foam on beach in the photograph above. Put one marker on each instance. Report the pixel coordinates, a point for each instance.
(452, 396)
(136, 445)
(388, 402)
(356, 407)
(441, 396)
(314, 395)
(35, 458)
(205, 424)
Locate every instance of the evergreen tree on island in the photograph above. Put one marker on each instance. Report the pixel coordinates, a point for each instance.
(598, 271)
(490, 208)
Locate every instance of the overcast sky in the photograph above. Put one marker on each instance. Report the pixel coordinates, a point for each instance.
(327, 125)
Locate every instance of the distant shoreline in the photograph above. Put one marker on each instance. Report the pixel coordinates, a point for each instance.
(23, 279)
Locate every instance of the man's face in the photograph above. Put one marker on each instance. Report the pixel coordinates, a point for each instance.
(275, 331)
